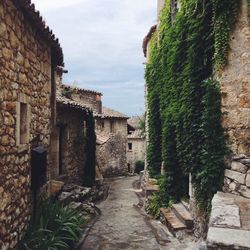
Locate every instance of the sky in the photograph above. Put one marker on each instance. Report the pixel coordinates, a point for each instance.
(102, 45)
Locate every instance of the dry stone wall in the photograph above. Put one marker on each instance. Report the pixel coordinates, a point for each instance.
(25, 66)
(237, 176)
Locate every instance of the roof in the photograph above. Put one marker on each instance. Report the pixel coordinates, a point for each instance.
(67, 86)
(134, 121)
(61, 100)
(137, 134)
(147, 39)
(44, 31)
(110, 113)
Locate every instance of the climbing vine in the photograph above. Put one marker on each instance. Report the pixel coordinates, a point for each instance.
(184, 101)
(154, 121)
(225, 14)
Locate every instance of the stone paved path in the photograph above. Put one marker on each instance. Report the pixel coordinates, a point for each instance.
(123, 225)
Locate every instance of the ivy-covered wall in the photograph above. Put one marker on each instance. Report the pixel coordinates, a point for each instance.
(184, 96)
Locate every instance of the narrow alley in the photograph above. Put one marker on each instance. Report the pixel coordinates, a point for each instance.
(123, 224)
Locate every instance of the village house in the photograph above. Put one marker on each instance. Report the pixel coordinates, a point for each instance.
(230, 215)
(110, 128)
(136, 148)
(30, 57)
(111, 131)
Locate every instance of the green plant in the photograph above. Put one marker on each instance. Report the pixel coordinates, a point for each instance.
(55, 227)
(184, 116)
(153, 153)
(67, 92)
(153, 205)
(139, 166)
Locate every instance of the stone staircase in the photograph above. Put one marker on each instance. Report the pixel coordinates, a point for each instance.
(177, 219)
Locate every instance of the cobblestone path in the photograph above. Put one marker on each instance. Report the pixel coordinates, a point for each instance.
(123, 225)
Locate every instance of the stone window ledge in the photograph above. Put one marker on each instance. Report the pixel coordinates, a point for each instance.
(23, 147)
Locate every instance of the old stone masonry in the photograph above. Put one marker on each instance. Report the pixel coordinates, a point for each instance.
(177, 177)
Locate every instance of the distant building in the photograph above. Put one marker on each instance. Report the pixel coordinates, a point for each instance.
(111, 131)
(136, 146)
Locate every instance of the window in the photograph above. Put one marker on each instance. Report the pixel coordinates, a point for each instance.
(130, 146)
(23, 123)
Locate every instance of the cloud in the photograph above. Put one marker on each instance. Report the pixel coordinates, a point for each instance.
(102, 44)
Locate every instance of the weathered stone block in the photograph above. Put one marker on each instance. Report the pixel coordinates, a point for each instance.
(245, 161)
(240, 178)
(232, 186)
(248, 180)
(225, 213)
(239, 167)
(225, 238)
(244, 191)
(238, 157)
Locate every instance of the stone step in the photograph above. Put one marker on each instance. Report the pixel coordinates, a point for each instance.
(150, 189)
(183, 215)
(169, 218)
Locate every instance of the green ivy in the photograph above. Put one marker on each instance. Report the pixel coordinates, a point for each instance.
(225, 13)
(184, 118)
(154, 122)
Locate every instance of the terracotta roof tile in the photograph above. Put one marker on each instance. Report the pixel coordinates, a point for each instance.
(110, 113)
(137, 134)
(66, 86)
(61, 100)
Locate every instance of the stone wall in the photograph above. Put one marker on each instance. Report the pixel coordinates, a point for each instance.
(237, 176)
(73, 154)
(138, 151)
(111, 156)
(90, 99)
(25, 113)
(235, 86)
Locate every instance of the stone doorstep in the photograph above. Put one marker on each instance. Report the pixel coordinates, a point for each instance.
(169, 218)
(183, 215)
(225, 213)
(228, 238)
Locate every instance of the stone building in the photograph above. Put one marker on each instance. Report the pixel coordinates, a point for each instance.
(70, 160)
(136, 147)
(234, 81)
(110, 127)
(111, 152)
(29, 58)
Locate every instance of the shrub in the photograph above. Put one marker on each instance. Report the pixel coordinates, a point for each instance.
(139, 166)
(54, 227)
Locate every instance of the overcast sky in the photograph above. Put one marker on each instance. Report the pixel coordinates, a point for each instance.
(102, 44)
